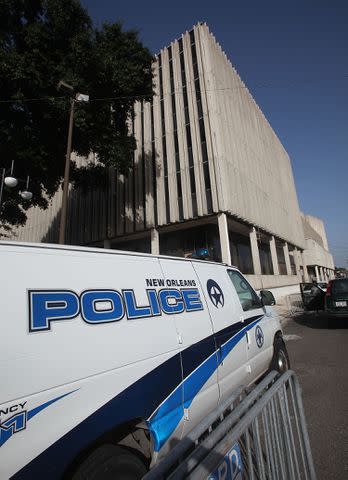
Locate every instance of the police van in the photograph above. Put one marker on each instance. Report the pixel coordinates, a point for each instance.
(109, 358)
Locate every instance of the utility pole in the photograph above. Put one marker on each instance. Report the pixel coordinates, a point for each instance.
(62, 227)
(74, 97)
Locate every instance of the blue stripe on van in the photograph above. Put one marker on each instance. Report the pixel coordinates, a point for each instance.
(7, 428)
(162, 386)
(163, 425)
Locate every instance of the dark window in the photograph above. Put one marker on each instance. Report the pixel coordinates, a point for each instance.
(186, 242)
(265, 258)
(281, 259)
(195, 73)
(188, 131)
(175, 133)
(143, 162)
(246, 294)
(340, 286)
(180, 45)
(241, 252)
(187, 118)
(133, 176)
(154, 166)
(292, 262)
(192, 178)
(200, 110)
(202, 132)
(206, 175)
(143, 245)
(201, 128)
(192, 36)
(164, 145)
(188, 137)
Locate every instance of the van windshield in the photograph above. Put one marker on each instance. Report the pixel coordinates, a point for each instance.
(340, 286)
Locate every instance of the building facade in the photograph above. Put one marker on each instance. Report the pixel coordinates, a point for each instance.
(318, 259)
(208, 173)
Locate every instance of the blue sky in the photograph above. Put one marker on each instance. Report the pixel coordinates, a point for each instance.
(293, 56)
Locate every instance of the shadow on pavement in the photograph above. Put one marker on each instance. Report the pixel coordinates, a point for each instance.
(320, 320)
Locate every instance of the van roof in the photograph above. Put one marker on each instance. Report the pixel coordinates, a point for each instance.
(103, 251)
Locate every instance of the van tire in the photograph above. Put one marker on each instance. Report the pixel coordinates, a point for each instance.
(110, 462)
(280, 360)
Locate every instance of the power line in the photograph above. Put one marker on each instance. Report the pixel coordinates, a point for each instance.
(127, 97)
(23, 100)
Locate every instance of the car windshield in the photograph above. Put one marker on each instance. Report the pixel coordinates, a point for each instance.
(340, 286)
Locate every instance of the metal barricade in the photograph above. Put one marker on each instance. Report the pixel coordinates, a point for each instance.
(294, 303)
(260, 434)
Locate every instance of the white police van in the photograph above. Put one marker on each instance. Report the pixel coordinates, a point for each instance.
(108, 358)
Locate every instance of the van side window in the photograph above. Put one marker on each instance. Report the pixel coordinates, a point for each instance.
(247, 296)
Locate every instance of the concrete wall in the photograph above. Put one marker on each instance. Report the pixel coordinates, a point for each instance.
(317, 249)
(253, 169)
(318, 225)
(315, 254)
(268, 282)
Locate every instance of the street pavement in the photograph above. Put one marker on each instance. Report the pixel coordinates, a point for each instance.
(319, 356)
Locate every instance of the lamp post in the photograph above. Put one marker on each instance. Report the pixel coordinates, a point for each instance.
(79, 97)
(12, 182)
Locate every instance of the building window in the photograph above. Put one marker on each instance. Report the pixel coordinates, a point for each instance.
(281, 259)
(188, 131)
(241, 255)
(142, 245)
(292, 262)
(204, 151)
(175, 132)
(183, 243)
(133, 175)
(154, 165)
(164, 143)
(265, 258)
(143, 163)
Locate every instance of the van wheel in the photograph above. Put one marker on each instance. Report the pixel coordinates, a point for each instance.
(280, 361)
(110, 462)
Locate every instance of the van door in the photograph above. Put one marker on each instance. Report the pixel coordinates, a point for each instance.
(259, 330)
(224, 308)
(120, 369)
(195, 335)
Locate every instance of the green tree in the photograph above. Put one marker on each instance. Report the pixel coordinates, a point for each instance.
(41, 43)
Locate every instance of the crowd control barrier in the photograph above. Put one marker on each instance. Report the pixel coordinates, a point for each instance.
(255, 434)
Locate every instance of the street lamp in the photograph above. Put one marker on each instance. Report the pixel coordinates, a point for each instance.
(11, 182)
(26, 195)
(75, 97)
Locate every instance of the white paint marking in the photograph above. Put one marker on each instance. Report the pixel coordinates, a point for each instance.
(292, 337)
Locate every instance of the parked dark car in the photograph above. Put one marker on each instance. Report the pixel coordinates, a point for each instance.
(313, 296)
(336, 298)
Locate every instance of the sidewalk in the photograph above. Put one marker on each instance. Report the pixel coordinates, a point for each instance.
(284, 314)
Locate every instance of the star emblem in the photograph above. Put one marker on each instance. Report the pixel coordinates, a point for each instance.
(259, 336)
(215, 294)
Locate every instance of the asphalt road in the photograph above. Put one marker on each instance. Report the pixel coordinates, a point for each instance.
(319, 356)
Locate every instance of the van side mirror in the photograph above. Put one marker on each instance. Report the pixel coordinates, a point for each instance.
(267, 297)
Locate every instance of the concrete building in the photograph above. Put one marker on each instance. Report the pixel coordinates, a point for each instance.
(318, 260)
(209, 172)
